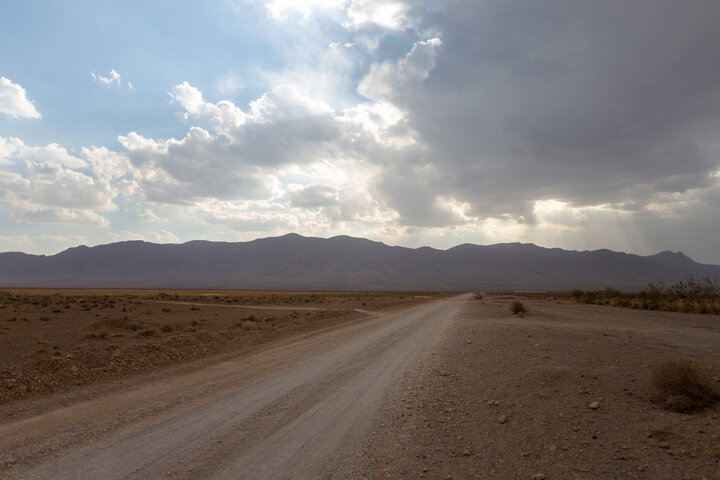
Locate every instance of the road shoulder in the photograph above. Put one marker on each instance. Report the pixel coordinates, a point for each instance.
(508, 397)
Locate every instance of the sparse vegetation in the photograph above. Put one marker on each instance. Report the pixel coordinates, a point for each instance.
(682, 386)
(689, 296)
(111, 333)
(96, 336)
(148, 332)
(518, 308)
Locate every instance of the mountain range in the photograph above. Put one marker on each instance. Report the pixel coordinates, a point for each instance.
(342, 263)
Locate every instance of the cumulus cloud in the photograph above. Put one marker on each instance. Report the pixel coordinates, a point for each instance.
(14, 101)
(235, 160)
(50, 185)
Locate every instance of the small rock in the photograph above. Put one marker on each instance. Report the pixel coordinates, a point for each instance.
(539, 476)
(594, 405)
(664, 445)
(503, 419)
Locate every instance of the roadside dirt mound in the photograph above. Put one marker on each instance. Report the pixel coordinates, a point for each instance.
(104, 359)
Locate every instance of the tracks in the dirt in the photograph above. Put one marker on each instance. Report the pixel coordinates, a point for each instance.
(289, 308)
(296, 410)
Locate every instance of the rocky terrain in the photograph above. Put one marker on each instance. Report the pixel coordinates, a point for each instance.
(563, 393)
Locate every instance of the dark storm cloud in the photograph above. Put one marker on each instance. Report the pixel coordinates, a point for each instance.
(589, 102)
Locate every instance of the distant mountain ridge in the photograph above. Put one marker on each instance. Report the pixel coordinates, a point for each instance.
(341, 263)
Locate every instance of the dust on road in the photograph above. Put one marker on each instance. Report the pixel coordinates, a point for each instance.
(296, 410)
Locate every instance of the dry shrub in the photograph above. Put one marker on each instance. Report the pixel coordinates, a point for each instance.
(247, 325)
(684, 387)
(96, 336)
(518, 308)
(167, 328)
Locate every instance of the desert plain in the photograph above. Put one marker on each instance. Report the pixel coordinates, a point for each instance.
(225, 384)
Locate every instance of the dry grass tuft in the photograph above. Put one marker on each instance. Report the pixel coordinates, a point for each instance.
(684, 387)
(518, 308)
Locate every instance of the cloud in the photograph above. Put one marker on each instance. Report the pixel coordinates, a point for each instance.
(519, 103)
(148, 216)
(39, 244)
(386, 80)
(387, 14)
(49, 185)
(358, 14)
(31, 214)
(282, 9)
(229, 84)
(161, 236)
(314, 196)
(14, 101)
(235, 161)
(113, 78)
(259, 217)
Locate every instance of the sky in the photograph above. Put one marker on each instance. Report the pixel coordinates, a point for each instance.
(575, 124)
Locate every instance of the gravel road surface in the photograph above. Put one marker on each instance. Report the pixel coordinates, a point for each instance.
(300, 408)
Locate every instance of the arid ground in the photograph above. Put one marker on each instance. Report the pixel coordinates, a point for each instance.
(144, 384)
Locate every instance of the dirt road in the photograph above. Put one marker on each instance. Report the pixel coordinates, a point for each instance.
(300, 408)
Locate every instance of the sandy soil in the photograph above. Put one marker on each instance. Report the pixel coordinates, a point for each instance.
(55, 341)
(454, 388)
(509, 398)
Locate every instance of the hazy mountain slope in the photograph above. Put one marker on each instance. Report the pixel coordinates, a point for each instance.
(296, 262)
